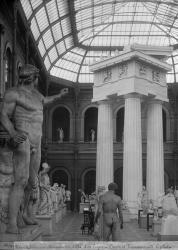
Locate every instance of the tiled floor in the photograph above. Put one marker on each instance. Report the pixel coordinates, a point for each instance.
(68, 229)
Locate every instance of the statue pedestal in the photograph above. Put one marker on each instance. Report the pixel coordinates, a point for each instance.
(126, 215)
(64, 210)
(58, 215)
(47, 223)
(82, 206)
(156, 227)
(29, 233)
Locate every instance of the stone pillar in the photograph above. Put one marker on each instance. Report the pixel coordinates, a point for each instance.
(132, 165)
(1, 60)
(104, 165)
(155, 160)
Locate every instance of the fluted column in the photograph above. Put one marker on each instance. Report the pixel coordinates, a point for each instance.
(155, 160)
(132, 165)
(104, 165)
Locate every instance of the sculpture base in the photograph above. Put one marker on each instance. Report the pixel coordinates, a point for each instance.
(29, 233)
(167, 237)
(47, 223)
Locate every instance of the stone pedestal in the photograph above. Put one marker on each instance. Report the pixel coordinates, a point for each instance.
(156, 227)
(132, 165)
(29, 233)
(104, 165)
(6, 178)
(155, 157)
(47, 223)
(83, 206)
(58, 215)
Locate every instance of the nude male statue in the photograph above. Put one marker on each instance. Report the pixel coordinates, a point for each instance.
(22, 117)
(110, 206)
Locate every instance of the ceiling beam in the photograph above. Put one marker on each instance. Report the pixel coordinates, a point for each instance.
(72, 20)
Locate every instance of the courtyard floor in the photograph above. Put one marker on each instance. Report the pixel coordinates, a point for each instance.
(68, 229)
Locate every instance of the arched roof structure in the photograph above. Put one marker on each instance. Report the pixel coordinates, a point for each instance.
(71, 34)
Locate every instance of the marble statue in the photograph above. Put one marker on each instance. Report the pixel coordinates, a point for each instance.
(45, 202)
(169, 225)
(68, 199)
(92, 135)
(54, 197)
(61, 134)
(142, 199)
(22, 116)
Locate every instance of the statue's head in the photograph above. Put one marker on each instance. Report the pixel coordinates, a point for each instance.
(28, 74)
(45, 166)
(112, 186)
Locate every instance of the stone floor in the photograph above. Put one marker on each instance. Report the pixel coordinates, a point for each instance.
(69, 230)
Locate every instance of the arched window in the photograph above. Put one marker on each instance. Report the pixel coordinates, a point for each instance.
(164, 125)
(120, 125)
(90, 182)
(8, 69)
(60, 176)
(60, 120)
(90, 121)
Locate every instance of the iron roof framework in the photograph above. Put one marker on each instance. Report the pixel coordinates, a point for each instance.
(71, 34)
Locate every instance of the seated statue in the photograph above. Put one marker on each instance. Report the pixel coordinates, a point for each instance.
(45, 203)
(169, 224)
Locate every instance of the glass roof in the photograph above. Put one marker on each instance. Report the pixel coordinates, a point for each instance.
(71, 34)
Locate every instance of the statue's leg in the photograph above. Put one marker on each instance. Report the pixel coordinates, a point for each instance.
(21, 161)
(31, 205)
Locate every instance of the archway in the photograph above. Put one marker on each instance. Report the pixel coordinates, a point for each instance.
(60, 119)
(118, 178)
(90, 121)
(120, 124)
(60, 176)
(89, 181)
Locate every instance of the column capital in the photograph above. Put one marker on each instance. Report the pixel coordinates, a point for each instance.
(132, 95)
(106, 101)
(154, 101)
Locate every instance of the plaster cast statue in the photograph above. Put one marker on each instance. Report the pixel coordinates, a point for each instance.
(169, 225)
(45, 202)
(61, 134)
(83, 196)
(143, 201)
(92, 135)
(22, 117)
(54, 198)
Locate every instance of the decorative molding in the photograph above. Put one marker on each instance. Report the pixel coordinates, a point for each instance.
(122, 70)
(107, 75)
(156, 76)
(142, 69)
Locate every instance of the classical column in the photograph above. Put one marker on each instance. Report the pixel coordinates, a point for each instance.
(104, 165)
(132, 165)
(1, 60)
(155, 160)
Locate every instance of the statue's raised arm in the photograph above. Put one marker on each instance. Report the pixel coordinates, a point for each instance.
(49, 99)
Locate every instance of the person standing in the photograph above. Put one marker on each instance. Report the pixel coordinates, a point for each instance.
(110, 206)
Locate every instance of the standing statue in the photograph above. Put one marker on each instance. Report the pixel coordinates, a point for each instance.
(22, 117)
(61, 134)
(54, 197)
(143, 201)
(92, 135)
(45, 202)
